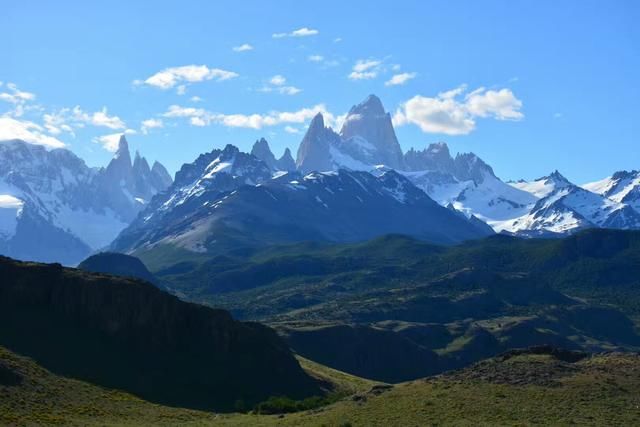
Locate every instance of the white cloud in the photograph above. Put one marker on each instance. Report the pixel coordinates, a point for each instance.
(181, 89)
(277, 80)
(67, 119)
(27, 131)
(301, 32)
(277, 85)
(399, 79)
(289, 90)
(15, 95)
(446, 113)
(170, 77)
(150, 124)
(291, 129)
(243, 48)
(55, 123)
(315, 58)
(19, 99)
(202, 117)
(196, 99)
(337, 40)
(102, 118)
(365, 69)
(110, 142)
(364, 65)
(501, 104)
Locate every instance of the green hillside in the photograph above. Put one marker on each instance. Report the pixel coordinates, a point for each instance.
(531, 388)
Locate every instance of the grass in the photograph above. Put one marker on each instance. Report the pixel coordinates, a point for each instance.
(601, 390)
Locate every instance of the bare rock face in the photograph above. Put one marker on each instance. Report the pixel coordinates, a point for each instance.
(436, 157)
(314, 152)
(369, 122)
(286, 162)
(262, 151)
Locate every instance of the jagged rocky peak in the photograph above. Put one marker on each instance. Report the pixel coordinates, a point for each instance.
(120, 167)
(263, 152)
(314, 150)
(556, 178)
(368, 134)
(372, 105)
(161, 175)
(123, 150)
(286, 162)
(140, 165)
(470, 167)
(436, 157)
(620, 175)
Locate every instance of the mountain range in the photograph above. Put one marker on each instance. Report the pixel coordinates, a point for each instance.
(53, 207)
(344, 186)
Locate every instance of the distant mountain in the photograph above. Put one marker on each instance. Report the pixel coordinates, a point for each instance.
(126, 334)
(367, 142)
(621, 187)
(335, 206)
(117, 265)
(198, 186)
(53, 207)
(367, 139)
(564, 207)
(467, 183)
(262, 151)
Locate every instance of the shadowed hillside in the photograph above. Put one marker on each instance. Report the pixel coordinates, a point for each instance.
(126, 334)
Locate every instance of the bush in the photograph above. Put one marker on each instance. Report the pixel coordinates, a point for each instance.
(285, 405)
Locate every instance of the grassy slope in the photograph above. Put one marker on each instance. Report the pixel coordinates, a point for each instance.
(602, 266)
(603, 390)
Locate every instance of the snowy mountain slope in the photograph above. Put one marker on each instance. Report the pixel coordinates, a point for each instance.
(544, 186)
(209, 177)
(246, 206)
(622, 187)
(566, 207)
(367, 142)
(466, 183)
(85, 207)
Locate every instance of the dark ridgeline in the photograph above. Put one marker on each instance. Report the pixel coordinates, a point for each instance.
(126, 334)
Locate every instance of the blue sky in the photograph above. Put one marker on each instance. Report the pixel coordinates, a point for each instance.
(553, 85)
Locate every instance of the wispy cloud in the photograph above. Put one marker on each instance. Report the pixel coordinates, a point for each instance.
(277, 80)
(400, 79)
(15, 95)
(243, 48)
(150, 124)
(12, 128)
(110, 142)
(291, 129)
(300, 32)
(315, 58)
(18, 98)
(277, 84)
(365, 69)
(202, 117)
(170, 77)
(452, 113)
